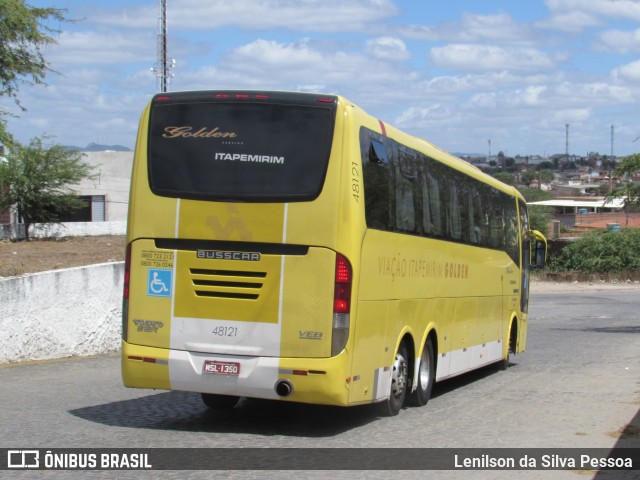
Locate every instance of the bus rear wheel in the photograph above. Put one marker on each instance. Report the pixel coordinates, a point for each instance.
(399, 383)
(219, 402)
(426, 374)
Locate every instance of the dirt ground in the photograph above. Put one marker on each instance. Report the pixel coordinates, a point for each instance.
(17, 258)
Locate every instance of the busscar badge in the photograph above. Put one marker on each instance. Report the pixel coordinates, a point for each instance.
(228, 255)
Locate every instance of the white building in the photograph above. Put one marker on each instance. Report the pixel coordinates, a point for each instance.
(107, 198)
(108, 193)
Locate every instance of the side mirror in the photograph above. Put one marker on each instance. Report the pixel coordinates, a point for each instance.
(539, 249)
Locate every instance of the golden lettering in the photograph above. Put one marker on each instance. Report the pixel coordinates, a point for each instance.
(188, 132)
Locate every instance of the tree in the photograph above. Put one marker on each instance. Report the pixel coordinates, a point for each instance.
(545, 176)
(630, 191)
(529, 177)
(24, 33)
(37, 179)
(505, 177)
(546, 166)
(539, 216)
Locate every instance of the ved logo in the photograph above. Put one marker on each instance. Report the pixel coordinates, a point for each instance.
(309, 335)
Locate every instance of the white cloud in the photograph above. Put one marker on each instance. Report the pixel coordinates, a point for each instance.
(277, 65)
(571, 115)
(469, 57)
(620, 41)
(576, 15)
(103, 47)
(500, 26)
(625, 9)
(569, 22)
(472, 28)
(423, 115)
(629, 72)
(305, 15)
(388, 48)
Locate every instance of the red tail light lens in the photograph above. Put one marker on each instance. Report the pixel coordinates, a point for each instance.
(125, 293)
(127, 272)
(342, 290)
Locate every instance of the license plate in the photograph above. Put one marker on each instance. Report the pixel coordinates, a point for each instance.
(221, 368)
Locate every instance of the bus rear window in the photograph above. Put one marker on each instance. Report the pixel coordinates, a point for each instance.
(255, 152)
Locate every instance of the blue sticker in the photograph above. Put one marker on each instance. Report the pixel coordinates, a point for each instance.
(159, 282)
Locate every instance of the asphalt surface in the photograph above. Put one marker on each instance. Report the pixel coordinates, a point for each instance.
(577, 386)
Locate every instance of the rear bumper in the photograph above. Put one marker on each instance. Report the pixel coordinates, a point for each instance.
(314, 380)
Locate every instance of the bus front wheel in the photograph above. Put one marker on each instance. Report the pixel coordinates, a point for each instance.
(399, 383)
(511, 348)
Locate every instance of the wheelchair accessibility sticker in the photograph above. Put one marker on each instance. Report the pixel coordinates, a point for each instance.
(159, 282)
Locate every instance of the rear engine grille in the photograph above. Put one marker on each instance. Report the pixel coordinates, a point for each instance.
(227, 283)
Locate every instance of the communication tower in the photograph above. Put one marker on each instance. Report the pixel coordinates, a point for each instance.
(163, 65)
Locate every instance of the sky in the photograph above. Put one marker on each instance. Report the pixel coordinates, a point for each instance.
(470, 76)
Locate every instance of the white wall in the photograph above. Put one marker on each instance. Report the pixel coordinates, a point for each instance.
(61, 313)
(65, 229)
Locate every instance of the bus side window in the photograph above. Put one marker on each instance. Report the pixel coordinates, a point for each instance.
(485, 215)
(375, 166)
(475, 216)
(435, 203)
(496, 240)
(465, 208)
(453, 211)
(405, 184)
(378, 153)
(427, 223)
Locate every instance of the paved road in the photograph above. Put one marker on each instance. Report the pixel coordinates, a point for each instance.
(578, 385)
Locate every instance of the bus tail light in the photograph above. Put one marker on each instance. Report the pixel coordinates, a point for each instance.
(125, 293)
(341, 305)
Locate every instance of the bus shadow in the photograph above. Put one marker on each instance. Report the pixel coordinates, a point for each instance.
(627, 445)
(184, 411)
(447, 386)
(613, 329)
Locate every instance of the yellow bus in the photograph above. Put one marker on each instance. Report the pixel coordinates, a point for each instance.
(290, 246)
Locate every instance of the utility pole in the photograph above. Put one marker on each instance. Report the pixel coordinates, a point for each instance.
(567, 141)
(612, 133)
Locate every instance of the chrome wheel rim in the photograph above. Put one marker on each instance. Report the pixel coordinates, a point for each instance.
(399, 376)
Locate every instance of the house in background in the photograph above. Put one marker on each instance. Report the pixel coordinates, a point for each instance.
(590, 213)
(106, 201)
(107, 196)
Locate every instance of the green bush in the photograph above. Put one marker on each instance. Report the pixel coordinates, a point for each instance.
(601, 252)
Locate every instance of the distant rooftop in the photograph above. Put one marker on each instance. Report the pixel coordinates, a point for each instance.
(615, 203)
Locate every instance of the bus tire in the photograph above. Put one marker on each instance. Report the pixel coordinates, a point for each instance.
(426, 375)
(399, 384)
(504, 365)
(219, 402)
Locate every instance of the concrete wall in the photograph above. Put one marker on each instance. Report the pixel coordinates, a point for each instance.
(66, 229)
(75, 311)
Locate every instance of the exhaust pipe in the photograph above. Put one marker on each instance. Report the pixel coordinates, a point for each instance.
(284, 388)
